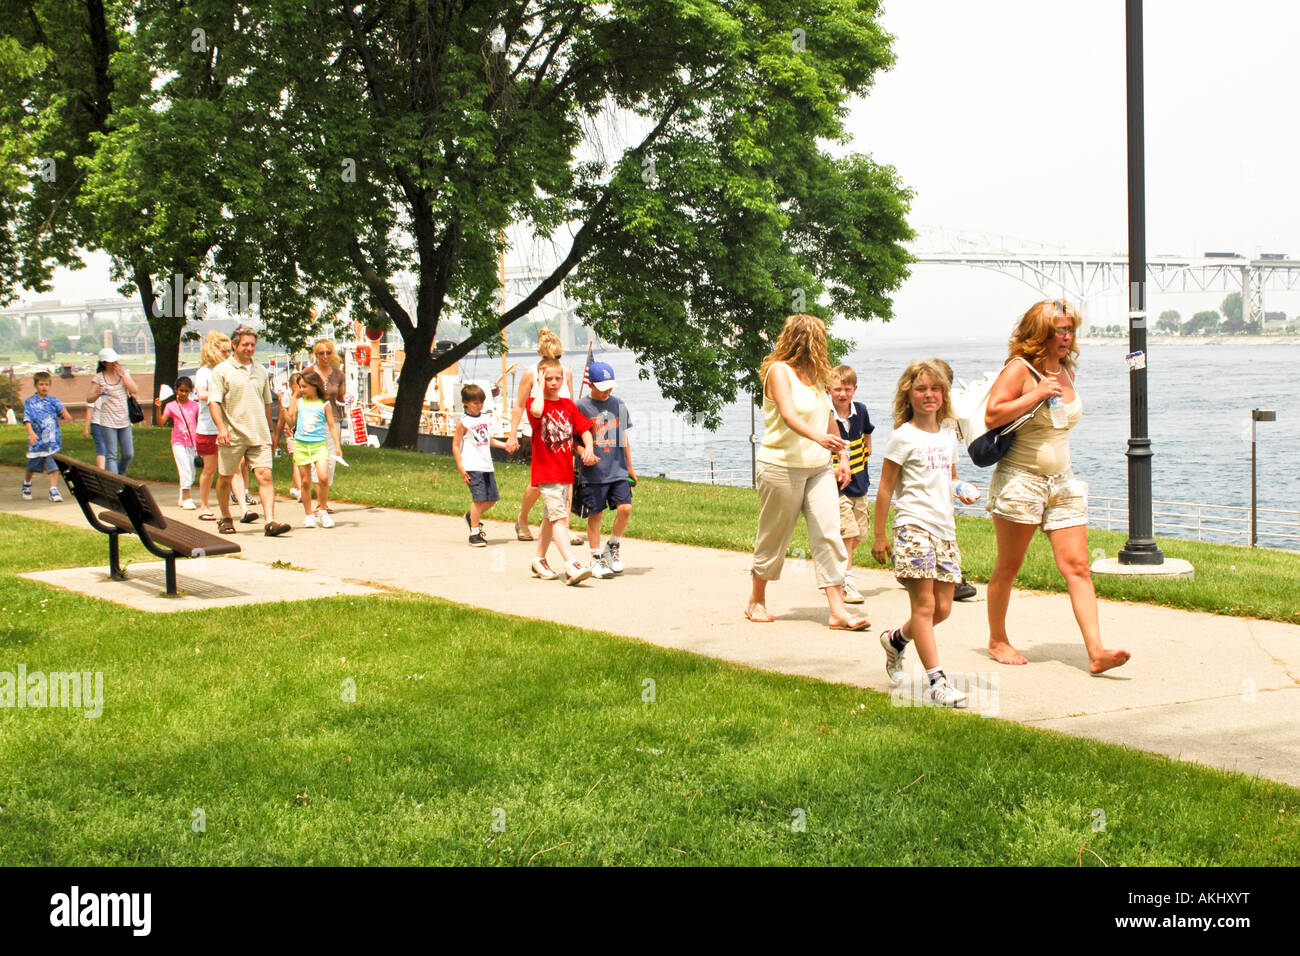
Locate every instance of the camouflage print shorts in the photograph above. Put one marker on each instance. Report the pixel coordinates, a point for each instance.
(919, 554)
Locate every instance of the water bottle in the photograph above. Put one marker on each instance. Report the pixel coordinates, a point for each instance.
(1057, 409)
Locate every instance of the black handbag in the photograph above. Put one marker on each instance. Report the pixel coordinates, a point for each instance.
(133, 410)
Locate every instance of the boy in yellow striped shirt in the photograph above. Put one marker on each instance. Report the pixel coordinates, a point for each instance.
(855, 506)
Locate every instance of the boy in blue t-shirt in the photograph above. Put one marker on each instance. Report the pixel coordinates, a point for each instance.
(42, 413)
(607, 483)
(856, 428)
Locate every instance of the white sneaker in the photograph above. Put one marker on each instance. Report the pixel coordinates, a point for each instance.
(851, 593)
(55, 496)
(893, 659)
(295, 494)
(599, 569)
(309, 521)
(575, 572)
(543, 570)
(188, 504)
(942, 694)
(324, 520)
(612, 558)
(27, 491)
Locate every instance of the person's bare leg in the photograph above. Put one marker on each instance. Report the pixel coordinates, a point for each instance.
(621, 517)
(560, 533)
(531, 494)
(757, 597)
(304, 481)
(477, 509)
(544, 540)
(223, 495)
(1013, 542)
(322, 469)
(593, 529)
(1070, 547)
(205, 480)
(265, 491)
(919, 628)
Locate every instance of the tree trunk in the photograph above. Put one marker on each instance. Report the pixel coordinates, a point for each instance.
(417, 372)
(166, 331)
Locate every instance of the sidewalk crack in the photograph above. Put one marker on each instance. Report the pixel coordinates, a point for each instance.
(1171, 703)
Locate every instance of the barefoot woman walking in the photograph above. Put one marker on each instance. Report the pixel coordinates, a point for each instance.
(794, 473)
(1033, 486)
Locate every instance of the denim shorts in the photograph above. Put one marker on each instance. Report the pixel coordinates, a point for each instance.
(42, 463)
(483, 486)
(594, 499)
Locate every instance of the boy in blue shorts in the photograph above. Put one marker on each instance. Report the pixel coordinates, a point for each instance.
(42, 413)
(607, 483)
(855, 507)
(472, 449)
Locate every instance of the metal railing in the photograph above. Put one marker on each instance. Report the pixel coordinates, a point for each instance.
(1189, 519)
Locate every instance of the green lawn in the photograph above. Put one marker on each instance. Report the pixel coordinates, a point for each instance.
(464, 719)
(1229, 579)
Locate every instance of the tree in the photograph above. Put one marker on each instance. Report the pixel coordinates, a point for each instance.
(1202, 323)
(672, 152)
(1169, 322)
(1233, 323)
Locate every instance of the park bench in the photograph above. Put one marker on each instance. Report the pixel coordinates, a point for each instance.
(133, 510)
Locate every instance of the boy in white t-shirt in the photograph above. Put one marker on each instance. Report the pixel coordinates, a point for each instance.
(472, 448)
(920, 464)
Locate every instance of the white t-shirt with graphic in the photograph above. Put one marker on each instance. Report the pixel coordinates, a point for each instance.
(923, 495)
(476, 446)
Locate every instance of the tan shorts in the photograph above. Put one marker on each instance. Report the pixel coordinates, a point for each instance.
(1026, 497)
(555, 499)
(855, 516)
(259, 456)
(919, 554)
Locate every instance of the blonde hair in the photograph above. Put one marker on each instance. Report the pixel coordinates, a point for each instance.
(546, 364)
(548, 344)
(903, 410)
(335, 361)
(802, 346)
(212, 345)
(1037, 327)
(844, 375)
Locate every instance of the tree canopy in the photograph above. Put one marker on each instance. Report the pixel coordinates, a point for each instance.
(681, 163)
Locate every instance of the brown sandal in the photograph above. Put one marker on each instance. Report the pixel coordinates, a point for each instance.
(226, 525)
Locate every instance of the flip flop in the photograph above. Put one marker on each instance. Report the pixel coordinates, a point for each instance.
(861, 624)
(226, 525)
(750, 615)
(249, 517)
(207, 516)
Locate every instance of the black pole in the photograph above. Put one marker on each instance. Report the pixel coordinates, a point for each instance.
(1141, 546)
(1253, 418)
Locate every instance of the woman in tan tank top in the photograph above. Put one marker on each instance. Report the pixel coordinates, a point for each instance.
(1033, 485)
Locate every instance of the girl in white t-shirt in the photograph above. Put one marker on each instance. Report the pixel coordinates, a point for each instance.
(920, 466)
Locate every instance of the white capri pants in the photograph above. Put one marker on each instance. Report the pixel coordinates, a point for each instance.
(784, 494)
(184, 456)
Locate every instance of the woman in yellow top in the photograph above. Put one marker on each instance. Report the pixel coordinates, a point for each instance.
(1033, 485)
(794, 473)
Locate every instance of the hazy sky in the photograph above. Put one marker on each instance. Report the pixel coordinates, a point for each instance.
(1008, 117)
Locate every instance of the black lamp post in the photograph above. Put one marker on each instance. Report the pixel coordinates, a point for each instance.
(1141, 546)
(1256, 415)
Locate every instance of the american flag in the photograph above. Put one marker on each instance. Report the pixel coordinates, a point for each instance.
(586, 370)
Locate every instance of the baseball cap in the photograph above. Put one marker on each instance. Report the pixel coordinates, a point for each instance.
(601, 376)
(109, 356)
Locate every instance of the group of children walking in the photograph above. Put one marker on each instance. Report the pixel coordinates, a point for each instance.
(599, 423)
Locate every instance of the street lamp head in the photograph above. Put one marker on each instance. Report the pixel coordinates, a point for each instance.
(1261, 415)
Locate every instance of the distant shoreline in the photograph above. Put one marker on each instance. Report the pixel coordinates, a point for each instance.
(1199, 340)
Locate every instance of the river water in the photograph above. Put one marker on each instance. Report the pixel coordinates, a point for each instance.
(1200, 401)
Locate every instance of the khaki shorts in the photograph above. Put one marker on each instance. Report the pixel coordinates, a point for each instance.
(1025, 497)
(919, 554)
(555, 499)
(259, 456)
(855, 516)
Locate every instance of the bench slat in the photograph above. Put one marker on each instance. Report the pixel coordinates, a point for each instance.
(182, 538)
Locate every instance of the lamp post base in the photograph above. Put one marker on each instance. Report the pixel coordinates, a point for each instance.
(1170, 569)
(1141, 553)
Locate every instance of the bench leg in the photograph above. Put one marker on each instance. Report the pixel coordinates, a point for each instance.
(115, 571)
(171, 576)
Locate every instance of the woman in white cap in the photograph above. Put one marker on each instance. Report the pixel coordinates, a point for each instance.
(113, 385)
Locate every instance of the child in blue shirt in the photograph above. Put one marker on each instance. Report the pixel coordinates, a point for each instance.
(42, 413)
(607, 483)
(855, 508)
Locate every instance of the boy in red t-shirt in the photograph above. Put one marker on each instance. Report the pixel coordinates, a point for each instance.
(555, 421)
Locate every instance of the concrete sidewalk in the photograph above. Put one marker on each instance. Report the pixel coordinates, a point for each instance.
(1223, 691)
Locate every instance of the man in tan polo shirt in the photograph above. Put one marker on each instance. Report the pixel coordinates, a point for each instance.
(240, 401)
